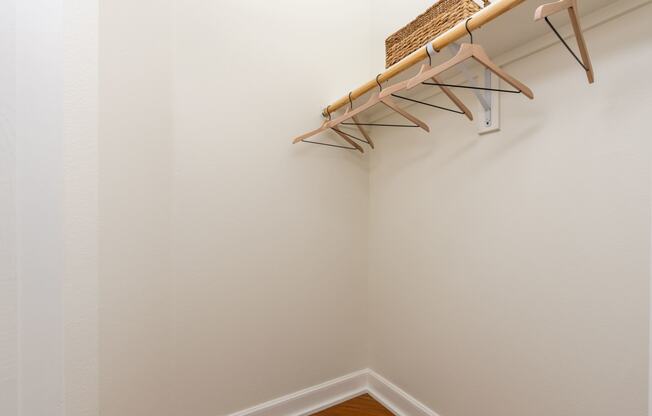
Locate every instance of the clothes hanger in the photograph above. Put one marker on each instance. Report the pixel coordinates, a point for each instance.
(392, 90)
(467, 51)
(373, 100)
(546, 10)
(324, 127)
(364, 133)
(356, 121)
(352, 113)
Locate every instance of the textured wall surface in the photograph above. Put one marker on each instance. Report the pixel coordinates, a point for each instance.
(232, 264)
(8, 279)
(39, 205)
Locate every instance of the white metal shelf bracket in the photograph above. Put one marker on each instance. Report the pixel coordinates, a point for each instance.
(489, 102)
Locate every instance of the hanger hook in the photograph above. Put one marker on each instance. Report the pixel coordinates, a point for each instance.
(466, 25)
(328, 112)
(350, 102)
(429, 57)
(378, 82)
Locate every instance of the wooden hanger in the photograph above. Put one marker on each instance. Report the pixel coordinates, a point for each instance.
(372, 101)
(356, 120)
(468, 51)
(352, 113)
(546, 10)
(315, 132)
(324, 127)
(389, 91)
(358, 124)
(346, 137)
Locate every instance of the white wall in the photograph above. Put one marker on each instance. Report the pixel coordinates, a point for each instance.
(48, 351)
(269, 239)
(80, 206)
(233, 265)
(509, 273)
(8, 278)
(39, 216)
(135, 166)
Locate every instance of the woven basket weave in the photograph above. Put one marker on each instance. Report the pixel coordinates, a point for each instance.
(442, 16)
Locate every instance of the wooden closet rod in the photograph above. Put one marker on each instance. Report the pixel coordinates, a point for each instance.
(486, 15)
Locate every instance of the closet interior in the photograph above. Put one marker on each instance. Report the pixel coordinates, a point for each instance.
(433, 76)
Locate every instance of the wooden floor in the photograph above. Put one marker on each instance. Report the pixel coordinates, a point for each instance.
(363, 405)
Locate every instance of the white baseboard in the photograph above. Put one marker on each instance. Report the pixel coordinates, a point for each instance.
(330, 393)
(394, 398)
(312, 399)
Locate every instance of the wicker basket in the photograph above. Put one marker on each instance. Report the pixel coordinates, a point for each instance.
(442, 16)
